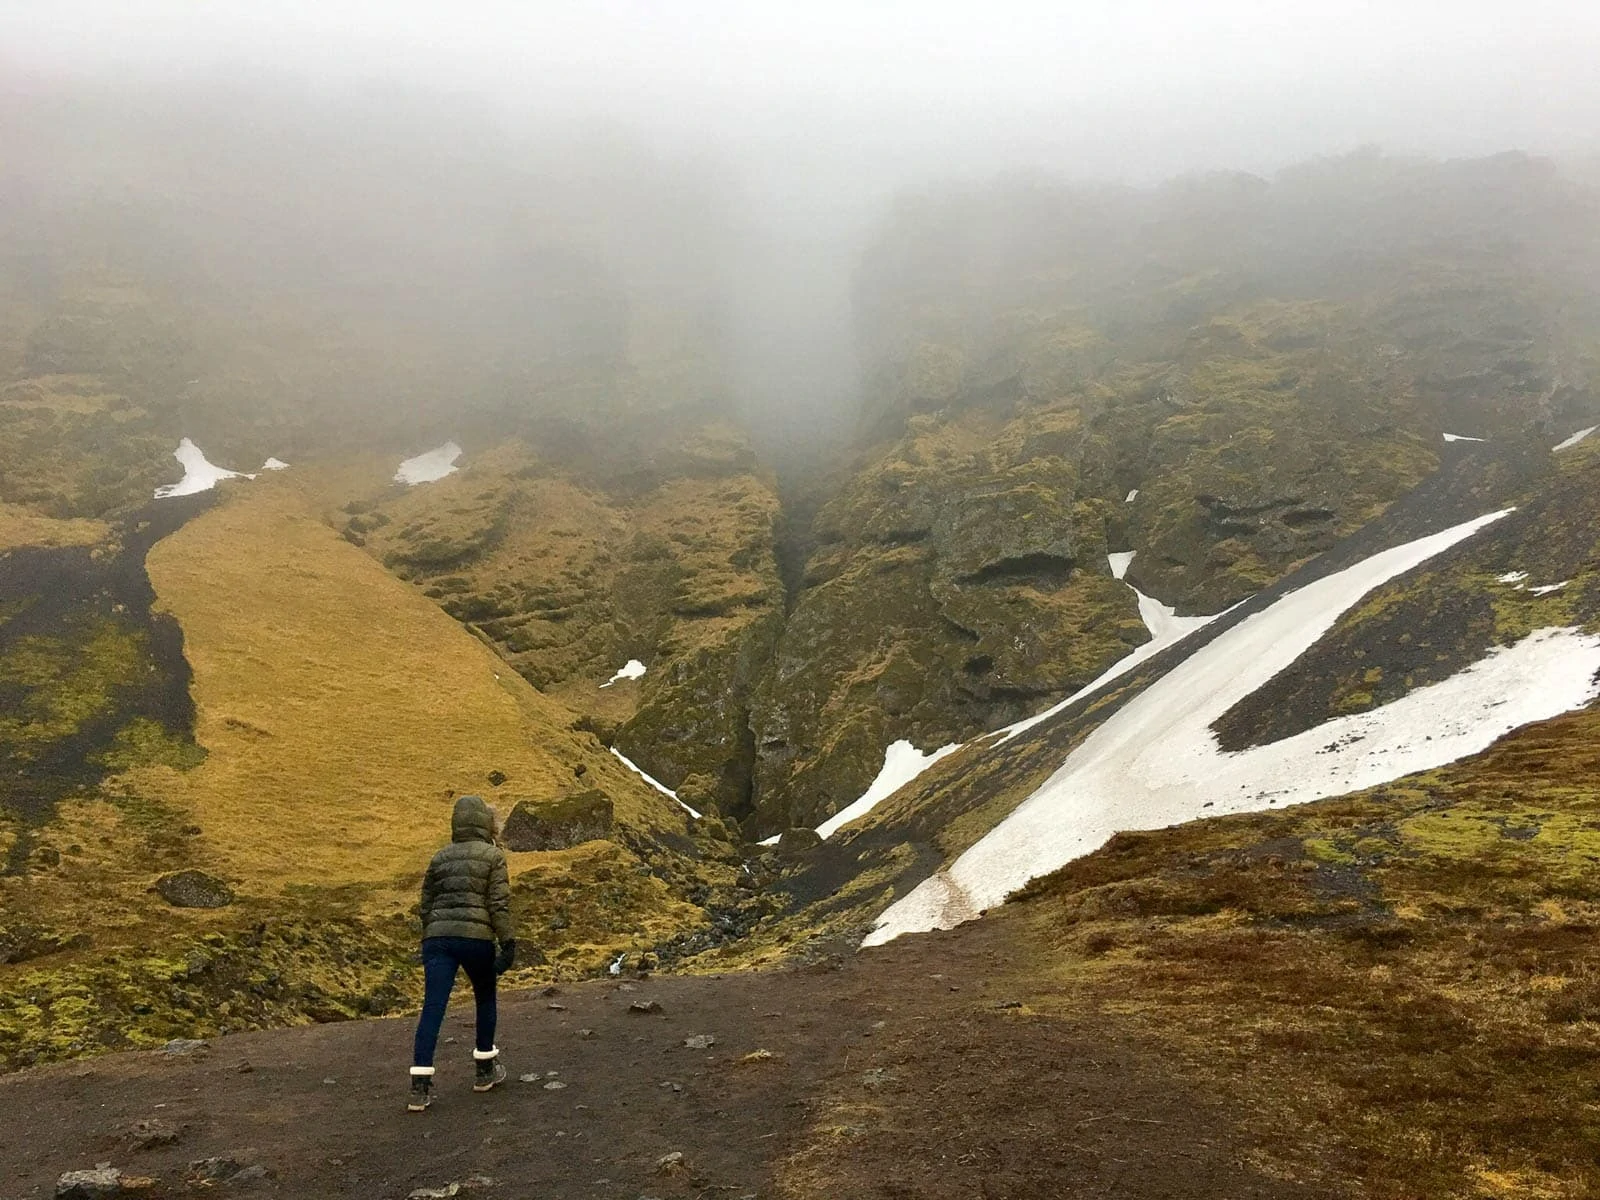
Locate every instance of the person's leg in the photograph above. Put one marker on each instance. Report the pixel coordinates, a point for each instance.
(438, 977)
(479, 965)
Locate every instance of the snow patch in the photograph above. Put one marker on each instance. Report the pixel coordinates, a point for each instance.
(1132, 496)
(902, 762)
(632, 669)
(274, 464)
(1120, 562)
(1511, 577)
(429, 467)
(1546, 589)
(199, 475)
(653, 781)
(1461, 437)
(1156, 762)
(1574, 439)
(1163, 621)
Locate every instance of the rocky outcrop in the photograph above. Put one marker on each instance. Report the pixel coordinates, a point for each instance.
(959, 582)
(560, 823)
(1538, 567)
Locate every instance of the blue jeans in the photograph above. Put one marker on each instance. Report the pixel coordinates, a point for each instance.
(440, 958)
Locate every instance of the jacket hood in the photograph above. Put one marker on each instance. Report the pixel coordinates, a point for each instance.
(470, 822)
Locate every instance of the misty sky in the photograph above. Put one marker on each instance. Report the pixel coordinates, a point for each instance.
(1127, 89)
(814, 111)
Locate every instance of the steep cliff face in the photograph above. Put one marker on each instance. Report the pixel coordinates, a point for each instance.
(1265, 364)
(1226, 375)
(960, 582)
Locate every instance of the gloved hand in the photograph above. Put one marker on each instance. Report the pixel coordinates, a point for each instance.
(507, 957)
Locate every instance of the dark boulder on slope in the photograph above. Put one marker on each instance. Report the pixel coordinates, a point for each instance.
(194, 889)
(558, 824)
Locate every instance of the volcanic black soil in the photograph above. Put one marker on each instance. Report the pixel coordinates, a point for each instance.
(906, 1072)
(53, 594)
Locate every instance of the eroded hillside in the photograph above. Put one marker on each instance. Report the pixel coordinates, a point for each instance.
(1086, 417)
(336, 715)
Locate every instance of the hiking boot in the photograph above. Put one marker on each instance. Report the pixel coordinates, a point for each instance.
(490, 1070)
(421, 1089)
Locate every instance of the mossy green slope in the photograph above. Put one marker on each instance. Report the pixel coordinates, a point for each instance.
(1268, 363)
(1425, 626)
(1414, 958)
(339, 713)
(570, 569)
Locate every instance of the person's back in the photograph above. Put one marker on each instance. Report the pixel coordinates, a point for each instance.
(466, 910)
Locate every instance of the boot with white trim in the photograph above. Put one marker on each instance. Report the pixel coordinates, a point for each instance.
(421, 1089)
(490, 1069)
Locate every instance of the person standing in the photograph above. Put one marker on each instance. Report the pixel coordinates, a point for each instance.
(466, 914)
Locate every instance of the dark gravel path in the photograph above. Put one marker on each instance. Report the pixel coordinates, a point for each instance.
(906, 1072)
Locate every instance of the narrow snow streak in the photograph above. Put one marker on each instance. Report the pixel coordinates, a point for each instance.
(1155, 762)
(429, 467)
(1574, 439)
(653, 781)
(1511, 577)
(1546, 589)
(902, 762)
(1132, 496)
(1166, 629)
(632, 669)
(1461, 437)
(199, 475)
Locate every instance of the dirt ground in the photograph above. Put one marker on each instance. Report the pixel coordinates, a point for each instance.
(903, 1072)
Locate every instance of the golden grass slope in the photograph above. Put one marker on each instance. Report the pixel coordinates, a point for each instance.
(341, 710)
(20, 527)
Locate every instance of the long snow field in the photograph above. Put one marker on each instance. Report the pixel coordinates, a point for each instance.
(1155, 762)
(903, 762)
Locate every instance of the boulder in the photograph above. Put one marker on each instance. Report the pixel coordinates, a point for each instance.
(206, 1172)
(149, 1133)
(990, 533)
(797, 842)
(699, 791)
(98, 1183)
(194, 889)
(560, 823)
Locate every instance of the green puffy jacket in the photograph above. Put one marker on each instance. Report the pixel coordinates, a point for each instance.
(467, 892)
